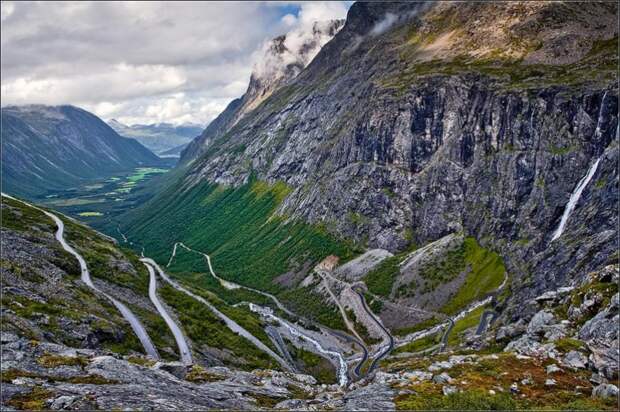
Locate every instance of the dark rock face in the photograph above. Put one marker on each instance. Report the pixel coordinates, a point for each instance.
(451, 154)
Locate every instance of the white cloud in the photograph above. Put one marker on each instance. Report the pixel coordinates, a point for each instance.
(141, 61)
(289, 20)
(322, 10)
(6, 9)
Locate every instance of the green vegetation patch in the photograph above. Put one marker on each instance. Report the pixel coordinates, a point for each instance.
(461, 401)
(598, 66)
(142, 361)
(471, 320)
(198, 374)
(475, 380)
(205, 328)
(317, 366)
(425, 324)
(237, 228)
(306, 303)
(445, 269)
(35, 400)
(381, 278)
(90, 214)
(141, 172)
(487, 272)
(421, 344)
(53, 361)
(569, 344)
(19, 217)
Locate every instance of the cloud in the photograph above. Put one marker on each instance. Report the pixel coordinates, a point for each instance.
(6, 9)
(312, 29)
(289, 20)
(322, 10)
(385, 23)
(147, 61)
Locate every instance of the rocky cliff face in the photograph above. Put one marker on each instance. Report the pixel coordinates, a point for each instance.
(450, 137)
(404, 129)
(283, 58)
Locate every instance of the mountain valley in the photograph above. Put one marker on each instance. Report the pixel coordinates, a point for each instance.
(414, 208)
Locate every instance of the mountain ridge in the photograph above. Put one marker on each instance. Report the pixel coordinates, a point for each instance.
(392, 150)
(57, 147)
(284, 57)
(158, 137)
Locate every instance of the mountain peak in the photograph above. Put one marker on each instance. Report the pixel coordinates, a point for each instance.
(285, 56)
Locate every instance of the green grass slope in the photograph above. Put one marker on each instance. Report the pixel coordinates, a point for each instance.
(237, 227)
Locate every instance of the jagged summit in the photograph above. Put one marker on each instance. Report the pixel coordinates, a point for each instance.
(282, 59)
(285, 57)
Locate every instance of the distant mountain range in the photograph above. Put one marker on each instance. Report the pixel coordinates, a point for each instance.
(56, 147)
(159, 138)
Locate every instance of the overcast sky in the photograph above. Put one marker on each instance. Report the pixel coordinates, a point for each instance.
(142, 62)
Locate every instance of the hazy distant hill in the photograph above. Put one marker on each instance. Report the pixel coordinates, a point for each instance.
(158, 137)
(55, 147)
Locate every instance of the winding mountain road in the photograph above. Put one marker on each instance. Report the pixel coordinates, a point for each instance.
(488, 316)
(357, 338)
(186, 355)
(231, 286)
(133, 321)
(390, 345)
(228, 284)
(277, 340)
(85, 276)
(342, 369)
(231, 324)
(444, 338)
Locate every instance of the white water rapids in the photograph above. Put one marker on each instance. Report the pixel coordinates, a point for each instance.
(342, 369)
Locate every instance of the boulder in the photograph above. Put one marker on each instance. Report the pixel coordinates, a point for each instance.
(7, 337)
(418, 375)
(291, 405)
(604, 359)
(554, 332)
(575, 360)
(448, 390)
(605, 390)
(177, 369)
(437, 366)
(442, 378)
(510, 331)
(539, 321)
(62, 402)
(603, 326)
(525, 345)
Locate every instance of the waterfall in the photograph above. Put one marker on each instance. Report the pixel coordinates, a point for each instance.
(574, 198)
(597, 131)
